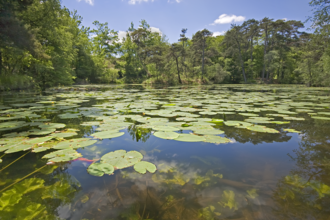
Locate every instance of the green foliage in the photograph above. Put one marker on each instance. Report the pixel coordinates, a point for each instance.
(44, 45)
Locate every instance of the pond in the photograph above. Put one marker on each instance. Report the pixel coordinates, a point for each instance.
(195, 152)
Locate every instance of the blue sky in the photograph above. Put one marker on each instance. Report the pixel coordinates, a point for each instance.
(170, 16)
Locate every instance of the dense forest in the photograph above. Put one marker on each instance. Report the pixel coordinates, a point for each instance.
(43, 44)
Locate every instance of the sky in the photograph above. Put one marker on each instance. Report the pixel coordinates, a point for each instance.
(170, 16)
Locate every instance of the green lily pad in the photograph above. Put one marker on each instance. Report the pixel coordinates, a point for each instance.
(69, 116)
(324, 113)
(75, 143)
(248, 114)
(321, 118)
(216, 139)
(216, 121)
(6, 126)
(38, 132)
(166, 135)
(40, 149)
(52, 126)
(294, 119)
(189, 138)
(291, 130)
(63, 134)
(262, 129)
(99, 169)
(91, 123)
(165, 128)
(144, 166)
(15, 134)
(208, 131)
(62, 155)
(19, 147)
(107, 134)
(120, 159)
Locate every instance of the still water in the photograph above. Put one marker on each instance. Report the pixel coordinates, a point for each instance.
(221, 152)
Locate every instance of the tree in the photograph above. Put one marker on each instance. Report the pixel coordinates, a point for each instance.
(176, 51)
(199, 43)
(233, 39)
(265, 27)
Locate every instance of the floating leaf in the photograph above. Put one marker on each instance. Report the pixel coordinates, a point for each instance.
(291, 130)
(38, 132)
(107, 134)
(63, 134)
(321, 118)
(216, 139)
(52, 126)
(262, 129)
(165, 128)
(120, 159)
(189, 138)
(62, 155)
(99, 169)
(208, 131)
(75, 143)
(166, 135)
(143, 166)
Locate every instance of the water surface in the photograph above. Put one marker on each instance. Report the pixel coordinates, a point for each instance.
(264, 174)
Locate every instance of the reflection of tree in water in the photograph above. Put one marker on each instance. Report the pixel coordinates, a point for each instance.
(305, 193)
(39, 197)
(138, 134)
(243, 136)
(176, 191)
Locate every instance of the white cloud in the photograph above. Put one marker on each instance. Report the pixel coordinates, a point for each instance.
(91, 2)
(227, 19)
(157, 30)
(133, 2)
(218, 33)
(122, 34)
(177, 1)
(284, 19)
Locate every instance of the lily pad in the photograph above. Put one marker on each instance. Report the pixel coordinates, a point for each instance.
(189, 138)
(38, 132)
(52, 126)
(99, 169)
(165, 128)
(216, 139)
(166, 135)
(208, 131)
(262, 129)
(321, 118)
(120, 159)
(291, 130)
(107, 134)
(144, 166)
(75, 143)
(63, 134)
(62, 155)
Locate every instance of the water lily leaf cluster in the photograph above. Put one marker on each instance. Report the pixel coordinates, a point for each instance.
(121, 159)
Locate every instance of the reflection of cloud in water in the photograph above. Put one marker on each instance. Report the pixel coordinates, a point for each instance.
(99, 201)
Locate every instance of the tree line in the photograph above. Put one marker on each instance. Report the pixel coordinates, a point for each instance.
(44, 44)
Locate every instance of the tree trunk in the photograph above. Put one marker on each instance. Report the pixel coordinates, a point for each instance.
(251, 55)
(177, 67)
(241, 60)
(265, 51)
(203, 60)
